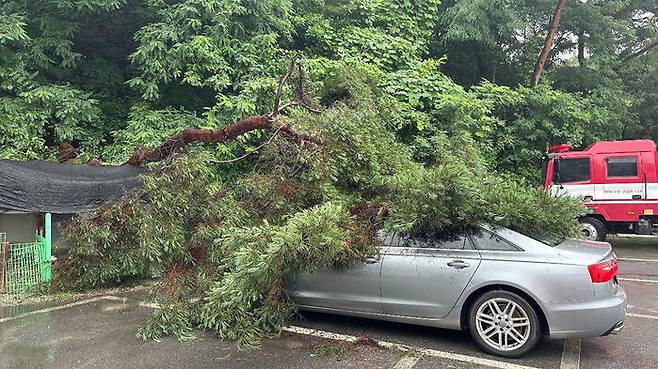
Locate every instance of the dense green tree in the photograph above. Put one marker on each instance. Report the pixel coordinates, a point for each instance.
(101, 75)
(604, 52)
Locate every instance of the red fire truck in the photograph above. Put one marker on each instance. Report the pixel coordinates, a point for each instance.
(617, 180)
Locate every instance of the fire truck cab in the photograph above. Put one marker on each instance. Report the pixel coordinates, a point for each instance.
(617, 181)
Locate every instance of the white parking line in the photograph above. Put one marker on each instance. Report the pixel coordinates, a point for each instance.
(571, 354)
(407, 362)
(638, 280)
(644, 260)
(60, 307)
(115, 298)
(405, 348)
(642, 316)
(150, 305)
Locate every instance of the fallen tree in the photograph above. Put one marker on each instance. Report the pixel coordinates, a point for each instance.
(225, 234)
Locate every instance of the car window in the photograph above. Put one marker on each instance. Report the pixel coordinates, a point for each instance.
(622, 167)
(445, 242)
(388, 239)
(485, 240)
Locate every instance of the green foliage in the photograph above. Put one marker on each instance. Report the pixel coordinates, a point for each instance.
(175, 319)
(208, 43)
(526, 121)
(499, 41)
(530, 210)
(118, 70)
(329, 350)
(62, 113)
(387, 34)
(245, 304)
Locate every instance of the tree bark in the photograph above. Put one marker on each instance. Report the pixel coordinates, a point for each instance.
(230, 132)
(543, 56)
(581, 50)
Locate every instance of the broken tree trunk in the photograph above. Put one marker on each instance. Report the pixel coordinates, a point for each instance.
(230, 132)
(543, 56)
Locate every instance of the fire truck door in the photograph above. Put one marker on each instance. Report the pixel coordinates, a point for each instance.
(623, 179)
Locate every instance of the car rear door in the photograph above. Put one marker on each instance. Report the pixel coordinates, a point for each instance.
(424, 277)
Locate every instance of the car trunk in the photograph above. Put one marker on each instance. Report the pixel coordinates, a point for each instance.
(586, 252)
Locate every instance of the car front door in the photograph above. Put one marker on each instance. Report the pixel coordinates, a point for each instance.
(424, 277)
(352, 288)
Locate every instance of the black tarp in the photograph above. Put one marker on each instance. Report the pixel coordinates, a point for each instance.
(41, 186)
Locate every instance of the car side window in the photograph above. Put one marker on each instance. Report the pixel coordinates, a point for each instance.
(485, 240)
(445, 242)
(395, 239)
(388, 239)
(404, 240)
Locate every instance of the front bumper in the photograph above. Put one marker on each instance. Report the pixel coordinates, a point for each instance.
(588, 319)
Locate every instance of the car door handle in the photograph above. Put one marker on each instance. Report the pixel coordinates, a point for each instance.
(458, 264)
(371, 260)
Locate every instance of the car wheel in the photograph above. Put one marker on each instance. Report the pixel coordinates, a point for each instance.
(504, 324)
(592, 229)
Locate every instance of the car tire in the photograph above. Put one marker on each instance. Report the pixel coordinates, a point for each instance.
(500, 333)
(593, 229)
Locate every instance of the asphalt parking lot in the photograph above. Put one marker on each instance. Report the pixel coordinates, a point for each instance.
(99, 332)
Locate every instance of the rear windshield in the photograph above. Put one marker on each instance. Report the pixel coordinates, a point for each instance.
(544, 238)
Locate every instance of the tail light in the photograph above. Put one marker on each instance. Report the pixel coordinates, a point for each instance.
(603, 271)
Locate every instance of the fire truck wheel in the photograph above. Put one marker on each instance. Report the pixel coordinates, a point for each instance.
(592, 229)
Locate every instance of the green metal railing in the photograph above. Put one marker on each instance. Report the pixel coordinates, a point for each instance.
(24, 267)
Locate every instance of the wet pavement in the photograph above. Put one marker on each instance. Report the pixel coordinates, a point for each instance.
(99, 332)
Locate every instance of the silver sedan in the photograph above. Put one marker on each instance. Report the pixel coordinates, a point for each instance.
(506, 288)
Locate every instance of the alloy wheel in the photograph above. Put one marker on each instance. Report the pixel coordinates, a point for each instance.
(503, 324)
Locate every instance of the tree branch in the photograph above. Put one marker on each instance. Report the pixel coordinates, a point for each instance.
(230, 132)
(282, 82)
(640, 52)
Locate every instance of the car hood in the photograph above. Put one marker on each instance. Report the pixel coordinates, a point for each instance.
(585, 252)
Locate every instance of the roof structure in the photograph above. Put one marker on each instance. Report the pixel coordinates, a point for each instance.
(602, 147)
(37, 186)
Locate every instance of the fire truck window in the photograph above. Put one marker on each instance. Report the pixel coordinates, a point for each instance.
(622, 167)
(571, 170)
